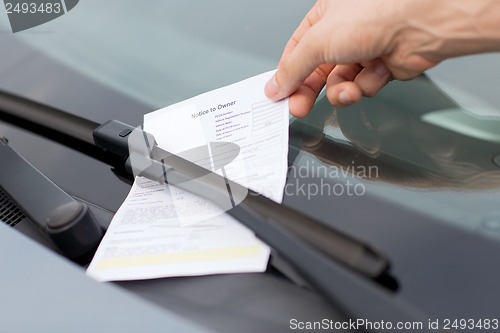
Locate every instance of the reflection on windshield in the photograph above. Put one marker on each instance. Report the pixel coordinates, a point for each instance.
(413, 134)
(161, 52)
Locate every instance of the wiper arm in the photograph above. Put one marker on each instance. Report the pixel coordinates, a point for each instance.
(353, 253)
(159, 165)
(347, 289)
(305, 243)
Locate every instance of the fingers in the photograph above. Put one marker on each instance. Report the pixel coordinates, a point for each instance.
(302, 55)
(373, 78)
(302, 72)
(347, 83)
(309, 20)
(302, 100)
(343, 94)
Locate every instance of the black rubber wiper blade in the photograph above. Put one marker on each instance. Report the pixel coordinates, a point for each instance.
(333, 263)
(146, 159)
(346, 289)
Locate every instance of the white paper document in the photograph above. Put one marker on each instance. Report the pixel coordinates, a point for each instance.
(163, 231)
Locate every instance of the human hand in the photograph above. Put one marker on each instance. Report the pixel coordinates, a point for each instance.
(354, 47)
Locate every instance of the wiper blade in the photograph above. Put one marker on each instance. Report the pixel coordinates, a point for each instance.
(346, 289)
(146, 159)
(308, 245)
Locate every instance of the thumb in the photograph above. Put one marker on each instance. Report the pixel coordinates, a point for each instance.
(297, 65)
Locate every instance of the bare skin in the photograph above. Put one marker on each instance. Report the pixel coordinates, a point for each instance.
(355, 47)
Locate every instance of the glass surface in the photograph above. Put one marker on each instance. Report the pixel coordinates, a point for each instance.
(161, 52)
(411, 145)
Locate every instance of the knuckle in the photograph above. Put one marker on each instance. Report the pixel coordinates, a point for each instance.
(370, 91)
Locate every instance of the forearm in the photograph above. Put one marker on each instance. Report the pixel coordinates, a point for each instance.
(450, 28)
(356, 46)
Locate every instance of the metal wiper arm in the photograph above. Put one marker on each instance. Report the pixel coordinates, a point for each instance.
(308, 245)
(159, 165)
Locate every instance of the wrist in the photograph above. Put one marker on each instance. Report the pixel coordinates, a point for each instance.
(437, 30)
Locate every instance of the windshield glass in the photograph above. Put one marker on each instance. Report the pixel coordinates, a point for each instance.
(430, 145)
(412, 145)
(161, 52)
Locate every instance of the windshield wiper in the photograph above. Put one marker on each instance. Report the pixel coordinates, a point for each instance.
(304, 242)
(110, 137)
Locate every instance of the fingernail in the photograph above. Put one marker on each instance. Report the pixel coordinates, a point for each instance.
(272, 88)
(344, 98)
(381, 69)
